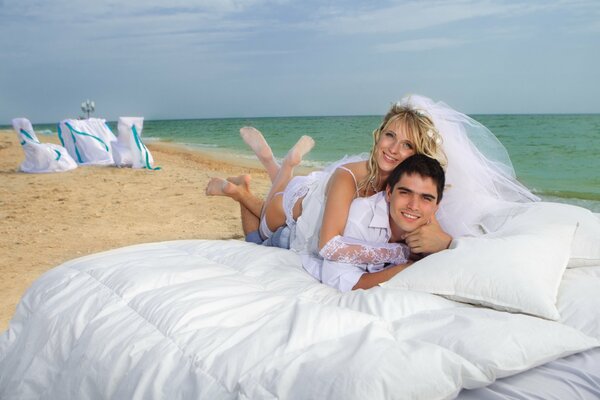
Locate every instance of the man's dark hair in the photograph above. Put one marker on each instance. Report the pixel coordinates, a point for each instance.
(422, 165)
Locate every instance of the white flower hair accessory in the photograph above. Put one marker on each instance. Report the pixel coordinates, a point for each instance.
(433, 134)
(419, 111)
(422, 113)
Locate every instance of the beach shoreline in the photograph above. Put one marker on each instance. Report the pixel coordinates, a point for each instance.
(48, 219)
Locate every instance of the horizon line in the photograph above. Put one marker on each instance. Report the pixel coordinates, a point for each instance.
(308, 116)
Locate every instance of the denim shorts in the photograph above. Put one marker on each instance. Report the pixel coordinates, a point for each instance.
(280, 238)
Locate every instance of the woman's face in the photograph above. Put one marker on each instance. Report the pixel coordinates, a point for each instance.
(393, 147)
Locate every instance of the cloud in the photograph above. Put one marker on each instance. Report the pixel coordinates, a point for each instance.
(415, 15)
(205, 50)
(417, 45)
(408, 16)
(83, 8)
(77, 26)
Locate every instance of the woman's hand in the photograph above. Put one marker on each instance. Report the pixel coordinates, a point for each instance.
(427, 239)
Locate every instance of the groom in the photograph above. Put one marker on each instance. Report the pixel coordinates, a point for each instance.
(414, 191)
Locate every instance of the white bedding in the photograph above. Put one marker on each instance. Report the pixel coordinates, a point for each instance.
(573, 377)
(228, 319)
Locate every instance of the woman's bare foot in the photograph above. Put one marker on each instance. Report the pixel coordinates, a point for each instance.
(256, 141)
(237, 188)
(241, 180)
(300, 149)
(220, 187)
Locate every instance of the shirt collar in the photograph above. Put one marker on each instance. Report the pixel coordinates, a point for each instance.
(381, 212)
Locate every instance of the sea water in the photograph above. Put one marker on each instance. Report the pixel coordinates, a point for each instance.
(556, 156)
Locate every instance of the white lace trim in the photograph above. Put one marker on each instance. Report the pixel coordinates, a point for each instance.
(355, 251)
(295, 190)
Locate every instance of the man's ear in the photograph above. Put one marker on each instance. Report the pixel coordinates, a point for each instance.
(388, 193)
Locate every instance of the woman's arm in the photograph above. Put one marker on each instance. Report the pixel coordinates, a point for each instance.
(355, 251)
(333, 246)
(340, 193)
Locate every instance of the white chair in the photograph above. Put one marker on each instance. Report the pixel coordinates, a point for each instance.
(128, 149)
(40, 157)
(88, 141)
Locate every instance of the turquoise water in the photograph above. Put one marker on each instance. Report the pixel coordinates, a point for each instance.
(557, 156)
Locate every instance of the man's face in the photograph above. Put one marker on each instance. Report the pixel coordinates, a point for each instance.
(413, 202)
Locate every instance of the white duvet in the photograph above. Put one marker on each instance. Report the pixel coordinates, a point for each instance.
(228, 319)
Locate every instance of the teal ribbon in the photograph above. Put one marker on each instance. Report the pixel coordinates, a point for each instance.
(87, 134)
(79, 159)
(59, 131)
(73, 130)
(24, 132)
(23, 143)
(142, 148)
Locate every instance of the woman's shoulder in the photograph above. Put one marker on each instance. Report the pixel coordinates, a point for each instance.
(349, 175)
(356, 167)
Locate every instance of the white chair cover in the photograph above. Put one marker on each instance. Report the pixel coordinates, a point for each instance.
(88, 141)
(40, 157)
(128, 149)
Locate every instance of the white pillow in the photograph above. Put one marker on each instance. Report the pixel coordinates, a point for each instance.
(585, 249)
(516, 270)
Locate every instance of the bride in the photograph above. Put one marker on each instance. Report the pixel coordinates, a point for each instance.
(479, 177)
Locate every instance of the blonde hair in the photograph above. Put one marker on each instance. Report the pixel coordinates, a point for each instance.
(420, 129)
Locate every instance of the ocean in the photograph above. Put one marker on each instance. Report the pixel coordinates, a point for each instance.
(556, 156)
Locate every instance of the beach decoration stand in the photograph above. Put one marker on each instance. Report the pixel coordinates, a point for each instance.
(88, 141)
(128, 149)
(40, 157)
(88, 107)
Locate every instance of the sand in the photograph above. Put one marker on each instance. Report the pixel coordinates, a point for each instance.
(47, 219)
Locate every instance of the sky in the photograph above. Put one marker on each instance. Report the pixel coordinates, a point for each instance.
(233, 58)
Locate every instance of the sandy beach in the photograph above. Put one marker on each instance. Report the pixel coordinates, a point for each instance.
(47, 219)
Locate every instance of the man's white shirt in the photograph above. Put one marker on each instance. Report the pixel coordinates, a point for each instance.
(368, 221)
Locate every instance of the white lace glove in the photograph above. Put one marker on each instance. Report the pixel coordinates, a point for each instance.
(355, 251)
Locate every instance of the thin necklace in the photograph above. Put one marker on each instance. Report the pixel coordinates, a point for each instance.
(373, 186)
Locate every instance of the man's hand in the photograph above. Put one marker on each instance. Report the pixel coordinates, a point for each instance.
(429, 238)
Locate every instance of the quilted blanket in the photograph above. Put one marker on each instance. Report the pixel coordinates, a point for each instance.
(228, 319)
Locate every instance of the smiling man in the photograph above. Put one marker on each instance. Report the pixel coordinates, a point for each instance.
(414, 191)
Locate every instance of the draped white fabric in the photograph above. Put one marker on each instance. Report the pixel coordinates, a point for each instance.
(88, 141)
(40, 157)
(129, 149)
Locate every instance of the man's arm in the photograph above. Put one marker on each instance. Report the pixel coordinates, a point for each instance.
(428, 239)
(371, 279)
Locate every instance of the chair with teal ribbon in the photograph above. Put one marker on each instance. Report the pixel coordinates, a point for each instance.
(129, 150)
(40, 157)
(88, 141)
